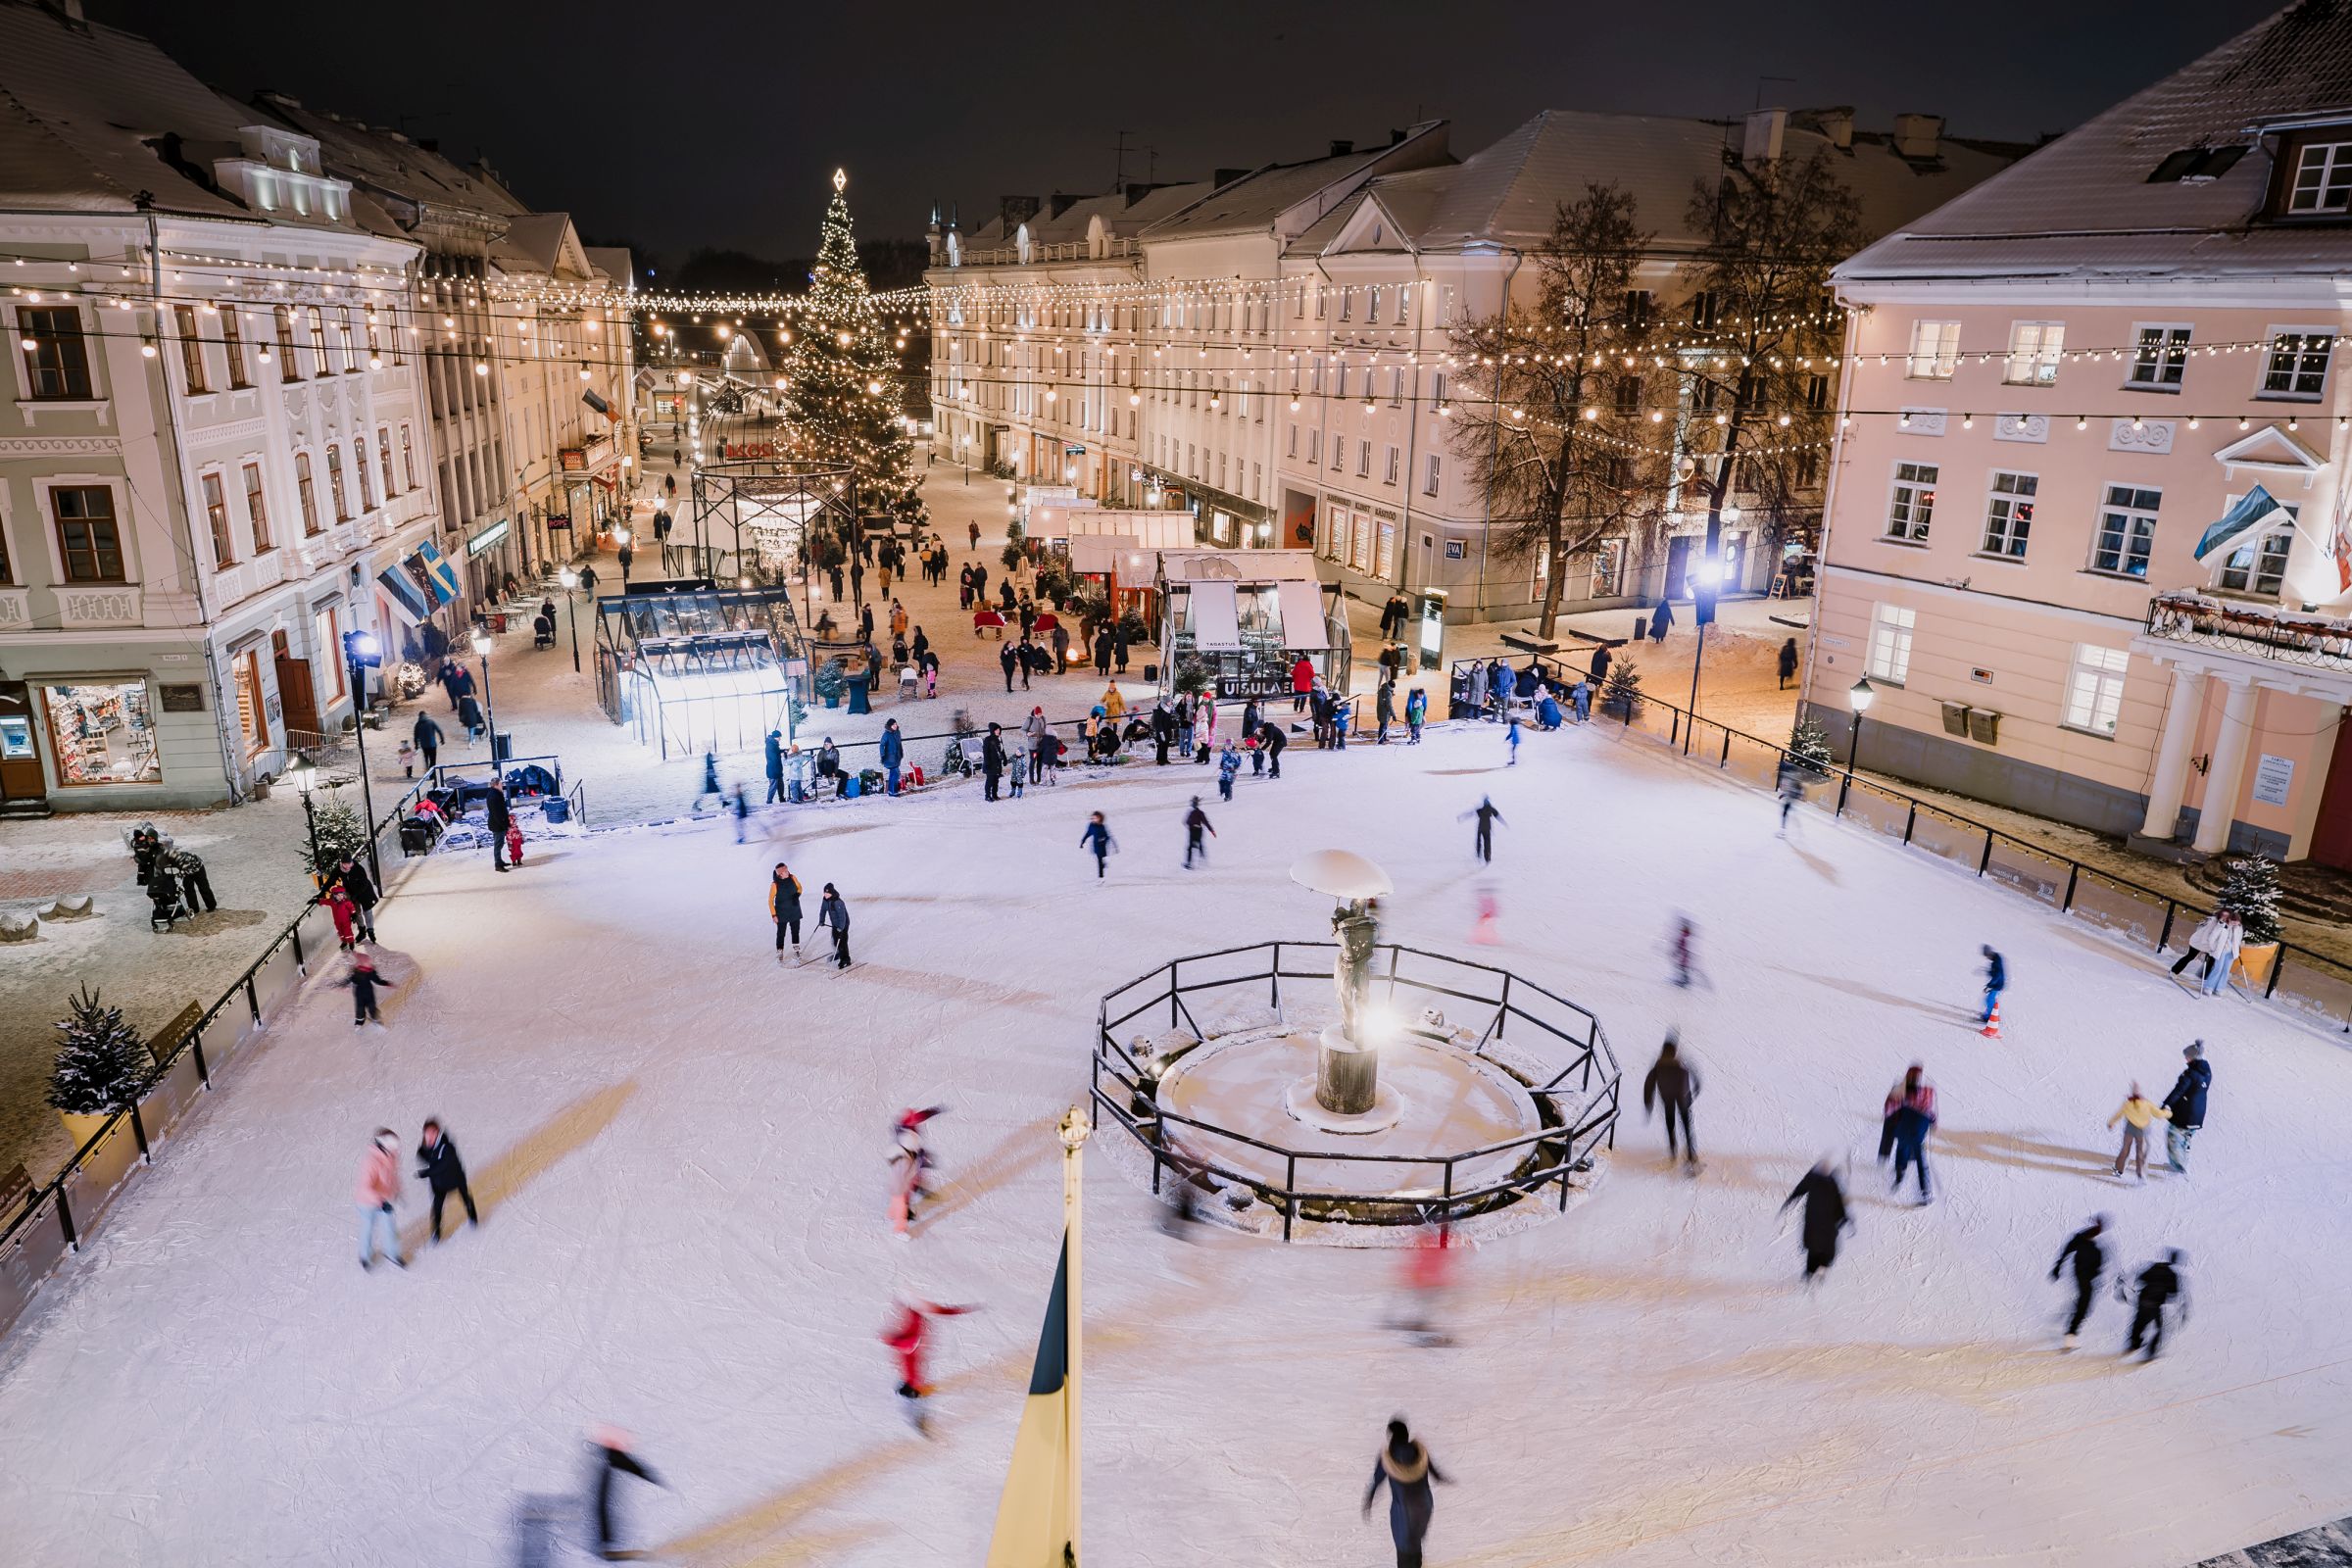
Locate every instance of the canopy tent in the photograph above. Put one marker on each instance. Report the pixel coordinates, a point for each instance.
(1304, 629)
(1213, 618)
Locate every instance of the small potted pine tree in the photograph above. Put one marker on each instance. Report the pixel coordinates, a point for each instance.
(102, 1066)
(1809, 746)
(1621, 693)
(2250, 891)
(340, 833)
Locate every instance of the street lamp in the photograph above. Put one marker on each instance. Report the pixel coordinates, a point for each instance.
(571, 579)
(1707, 579)
(1861, 697)
(481, 651)
(304, 776)
(361, 648)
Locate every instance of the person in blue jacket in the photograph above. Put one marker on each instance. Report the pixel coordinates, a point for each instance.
(894, 752)
(1996, 980)
(1096, 838)
(1407, 1470)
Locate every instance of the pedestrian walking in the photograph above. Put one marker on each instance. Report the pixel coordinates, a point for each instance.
(1195, 823)
(357, 885)
(1996, 980)
(2184, 1106)
(772, 752)
(1102, 653)
(832, 912)
(501, 822)
(1483, 838)
(2159, 1283)
(1417, 714)
(440, 1169)
(1671, 1082)
(1118, 645)
(992, 760)
(1661, 621)
(893, 749)
(1787, 662)
(906, 1338)
(784, 908)
(1229, 764)
(1825, 1216)
(1096, 838)
(1302, 683)
(1908, 1116)
(974, 531)
(2089, 1259)
(2138, 1113)
(611, 1456)
(365, 980)
(1005, 658)
(377, 1192)
(1405, 1468)
(427, 737)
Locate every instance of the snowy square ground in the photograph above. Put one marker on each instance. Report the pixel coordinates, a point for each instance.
(681, 1143)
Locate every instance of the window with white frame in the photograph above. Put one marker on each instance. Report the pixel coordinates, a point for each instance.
(1363, 458)
(2159, 357)
(2323, 179)
(1389, 474)
(1294, 452)
(2127, 531)
(1338, 453)
(2297, 363)
(1935, 350)
(1430, 476)
(2033, 350)
(2094, 688)
(1913, 505)
(2009, 515)
(1891, 627)
(2259, 565)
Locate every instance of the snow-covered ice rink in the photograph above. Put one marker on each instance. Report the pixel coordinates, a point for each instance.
(681, 1148)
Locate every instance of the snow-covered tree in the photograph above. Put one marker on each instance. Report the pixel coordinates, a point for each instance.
(341, 832)
(1809, 746)
(102, 1065)
(842, 377)
(1621, 692)
(2250, 891)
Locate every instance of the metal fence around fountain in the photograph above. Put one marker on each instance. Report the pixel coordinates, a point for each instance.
(1573, 1141)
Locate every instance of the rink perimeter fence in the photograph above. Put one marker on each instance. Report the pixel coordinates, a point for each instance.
(2300, 980)
(59, 1216)
(1582, 1094)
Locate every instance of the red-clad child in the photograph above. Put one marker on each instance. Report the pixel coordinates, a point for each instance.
(905, 1337)
(513, 844)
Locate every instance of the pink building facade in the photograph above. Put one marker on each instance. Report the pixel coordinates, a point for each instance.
(2056, 386)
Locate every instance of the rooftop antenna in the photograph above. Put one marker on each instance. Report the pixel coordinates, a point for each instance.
(1118, 169)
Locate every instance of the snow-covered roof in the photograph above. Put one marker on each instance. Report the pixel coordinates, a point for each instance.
(541, 242)
(388, 162)
(2087, 204)
(615, 262)
(1506, 193)
(1264, 198)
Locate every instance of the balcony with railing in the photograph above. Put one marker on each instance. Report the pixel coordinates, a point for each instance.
(1117, 247)
(2251, 630)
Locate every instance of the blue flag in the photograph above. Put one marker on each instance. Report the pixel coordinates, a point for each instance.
(2242, 523)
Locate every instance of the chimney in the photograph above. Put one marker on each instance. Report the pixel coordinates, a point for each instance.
(1837, 125)
(1762, 143)
(1341, 149)
(1918, 137)
(1015, 210)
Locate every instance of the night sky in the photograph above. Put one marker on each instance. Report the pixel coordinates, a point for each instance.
(718, 123)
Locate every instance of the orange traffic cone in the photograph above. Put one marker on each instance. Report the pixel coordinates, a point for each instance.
(1992, 1023)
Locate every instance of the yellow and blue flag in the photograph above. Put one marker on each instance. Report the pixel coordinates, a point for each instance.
(1035, 1514)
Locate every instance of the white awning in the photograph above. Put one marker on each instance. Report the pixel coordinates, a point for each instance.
(1213, 618)
(1302, 628)
(1101, 552)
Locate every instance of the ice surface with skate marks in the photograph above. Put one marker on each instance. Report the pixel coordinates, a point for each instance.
(680, 1146)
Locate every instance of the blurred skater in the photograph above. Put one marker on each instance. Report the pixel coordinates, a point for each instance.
(2159, 1283)
(1681, 944)
(1486, 928)
(908, 1160)
(1996, 980)
(1426, 1275)
(1195, 823)
(440, 1169)
(1671, 1082)
(1407, 1470)
(2138, 1113)
(1908, 1116)
(2089, 1259)
(906, 1338)
(1482, 842)
(1825, 1216)
(364, 981)
(611, 1456)
(1097, 840)
(378, 1190)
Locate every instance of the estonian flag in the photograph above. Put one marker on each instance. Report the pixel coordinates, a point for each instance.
(2244, 521)
(1033, 1516)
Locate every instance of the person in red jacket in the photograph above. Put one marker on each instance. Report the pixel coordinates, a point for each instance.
(346, 915)
(1302, 683)
(905, 1336)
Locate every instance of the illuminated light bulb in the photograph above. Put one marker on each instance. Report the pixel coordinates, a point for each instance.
(1591, 414)
(2082, 423)
(375, 361)
(30, 346)
(1657, 416)
(482, 366)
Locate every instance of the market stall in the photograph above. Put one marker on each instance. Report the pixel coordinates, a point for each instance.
(695, 668)
(1246, 618)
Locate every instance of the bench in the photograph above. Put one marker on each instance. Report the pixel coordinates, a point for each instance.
(1528, 645)
(168, 1039)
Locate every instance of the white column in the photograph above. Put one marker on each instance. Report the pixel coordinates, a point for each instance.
(2226, 773)
(2180, 716)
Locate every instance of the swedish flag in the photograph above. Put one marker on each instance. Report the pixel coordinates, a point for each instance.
(1037, 1515)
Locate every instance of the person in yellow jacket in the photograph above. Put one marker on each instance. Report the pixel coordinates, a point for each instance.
(2138, 1113)
(1113, 703)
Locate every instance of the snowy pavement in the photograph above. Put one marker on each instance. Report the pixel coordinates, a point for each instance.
(680, 1148)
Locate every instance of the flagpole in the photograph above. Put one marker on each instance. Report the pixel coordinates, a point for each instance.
(1074, 1130)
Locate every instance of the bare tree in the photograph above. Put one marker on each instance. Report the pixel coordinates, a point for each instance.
(1553, 428)
(1763, 365)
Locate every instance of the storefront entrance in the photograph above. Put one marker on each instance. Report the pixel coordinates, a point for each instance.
(295, 698)
(22, 787)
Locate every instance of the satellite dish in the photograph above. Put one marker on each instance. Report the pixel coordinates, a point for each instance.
(1342, 873)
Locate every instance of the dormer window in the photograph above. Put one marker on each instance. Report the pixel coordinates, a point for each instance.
(2315, 178)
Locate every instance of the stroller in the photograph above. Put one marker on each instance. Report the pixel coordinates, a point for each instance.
(543, 630)
(166, 899)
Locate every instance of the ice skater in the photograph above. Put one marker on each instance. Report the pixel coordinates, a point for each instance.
(1825, 1216)
(1512, 736)
(440, 1169)
(1997, 981)
(1909, 1115)
(1485, 923)
(1682, 948)
(1195, 823)
(2159, 1283)
(2186, 1106)
(2138, 1113)
(832, 912)
(2089, 1259)
(908, 1160)
(377, 1192)
(1482, 842)
(1427, 1273)
(1229, 764)
(1096, 838)
(739, 807)
(1407, 1469)
(364, 981)
(784, 908)
(611, 1456)
(1794, 779)
(1672, 1081)
(906, 1338)
(710, 790)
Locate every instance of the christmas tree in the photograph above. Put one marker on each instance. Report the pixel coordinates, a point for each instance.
(1621, 693)
(340, 833)
(2250, 891)
(1809, 746)
(841, 376)
(102, 1065)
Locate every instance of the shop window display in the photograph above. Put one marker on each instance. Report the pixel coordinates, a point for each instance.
(101, 734)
